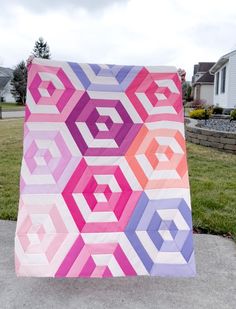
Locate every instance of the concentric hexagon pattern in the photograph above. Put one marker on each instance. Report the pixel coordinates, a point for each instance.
(104, 189)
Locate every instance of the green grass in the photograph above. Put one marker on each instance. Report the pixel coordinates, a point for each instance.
(212, 179)
(11, 132)
(213, 190)
(13, 106)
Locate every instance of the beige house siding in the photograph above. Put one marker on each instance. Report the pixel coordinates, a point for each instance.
(204, 93)
(207, 93)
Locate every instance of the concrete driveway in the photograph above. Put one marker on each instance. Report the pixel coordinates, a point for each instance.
(214, 286)
(13, 114)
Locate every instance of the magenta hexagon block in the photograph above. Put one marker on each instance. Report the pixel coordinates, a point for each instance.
(99, 198)
(51, 90)
(101, 127)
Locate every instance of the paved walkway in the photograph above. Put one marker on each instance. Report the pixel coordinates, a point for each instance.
(13, 114)
(214, 286)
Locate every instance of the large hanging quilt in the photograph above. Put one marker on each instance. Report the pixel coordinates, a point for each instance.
(104, 187)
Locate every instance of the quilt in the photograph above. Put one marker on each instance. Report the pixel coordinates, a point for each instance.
(104, 188)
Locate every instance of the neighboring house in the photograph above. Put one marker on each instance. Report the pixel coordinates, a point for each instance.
(5, 85)
(224, 71)
(203, 82)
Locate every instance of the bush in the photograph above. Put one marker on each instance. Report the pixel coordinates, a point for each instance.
(233, 114)
(227, 111)
(200, 114)
(198, 104)
(217, 110)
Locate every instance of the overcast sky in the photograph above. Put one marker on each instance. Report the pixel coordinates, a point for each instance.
(144, 32)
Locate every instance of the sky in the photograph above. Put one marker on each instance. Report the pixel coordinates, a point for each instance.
(141, 32)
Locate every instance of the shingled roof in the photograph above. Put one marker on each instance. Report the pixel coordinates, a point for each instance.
(5, 72)
(195, 69)
(205, 66)
(5, 77)
(206, 78)
(3, 82)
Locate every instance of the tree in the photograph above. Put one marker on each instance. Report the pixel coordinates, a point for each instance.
(41, 49)
(19, 83)
(186, 91)
(188, 94)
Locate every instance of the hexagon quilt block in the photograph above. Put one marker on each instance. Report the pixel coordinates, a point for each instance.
(104, 188)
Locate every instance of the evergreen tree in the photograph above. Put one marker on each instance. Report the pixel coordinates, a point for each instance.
(186, 91)
(41, 49)
(19, 83)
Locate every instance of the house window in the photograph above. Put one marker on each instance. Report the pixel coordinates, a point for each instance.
(223, 75)
(217, 82)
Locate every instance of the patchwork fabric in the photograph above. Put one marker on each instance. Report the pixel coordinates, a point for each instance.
(104, 188)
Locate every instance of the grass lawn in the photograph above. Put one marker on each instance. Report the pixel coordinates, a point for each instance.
(13, 106)
(212, 179)
(11, 133)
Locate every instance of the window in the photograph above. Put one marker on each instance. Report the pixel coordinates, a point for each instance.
(223, 75)
(217, 82)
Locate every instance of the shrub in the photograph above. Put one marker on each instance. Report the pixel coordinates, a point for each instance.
(200, 114)
(198, 104)
(217, 110)
(209, 108)
(233, 114)
(227, 111)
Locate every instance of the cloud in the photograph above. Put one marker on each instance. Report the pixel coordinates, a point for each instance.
(215, 37)
(52, 5)
(148, 32)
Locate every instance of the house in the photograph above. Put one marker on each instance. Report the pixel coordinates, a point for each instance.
(224, 71)
(5, 85)
(203, 82)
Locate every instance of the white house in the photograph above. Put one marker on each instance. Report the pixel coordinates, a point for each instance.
(5, 85)
(203, 82)
(224, 71)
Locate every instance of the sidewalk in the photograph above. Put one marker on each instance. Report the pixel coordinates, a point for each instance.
(12, 114)
(214, 286)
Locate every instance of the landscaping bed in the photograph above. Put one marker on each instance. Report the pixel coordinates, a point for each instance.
(218, 124)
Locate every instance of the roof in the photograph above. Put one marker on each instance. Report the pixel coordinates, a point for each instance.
(207, 78)
(195, 69)
(222, 61)
(6, 72)
(5, 77)
(204, 66)
(3, 82)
